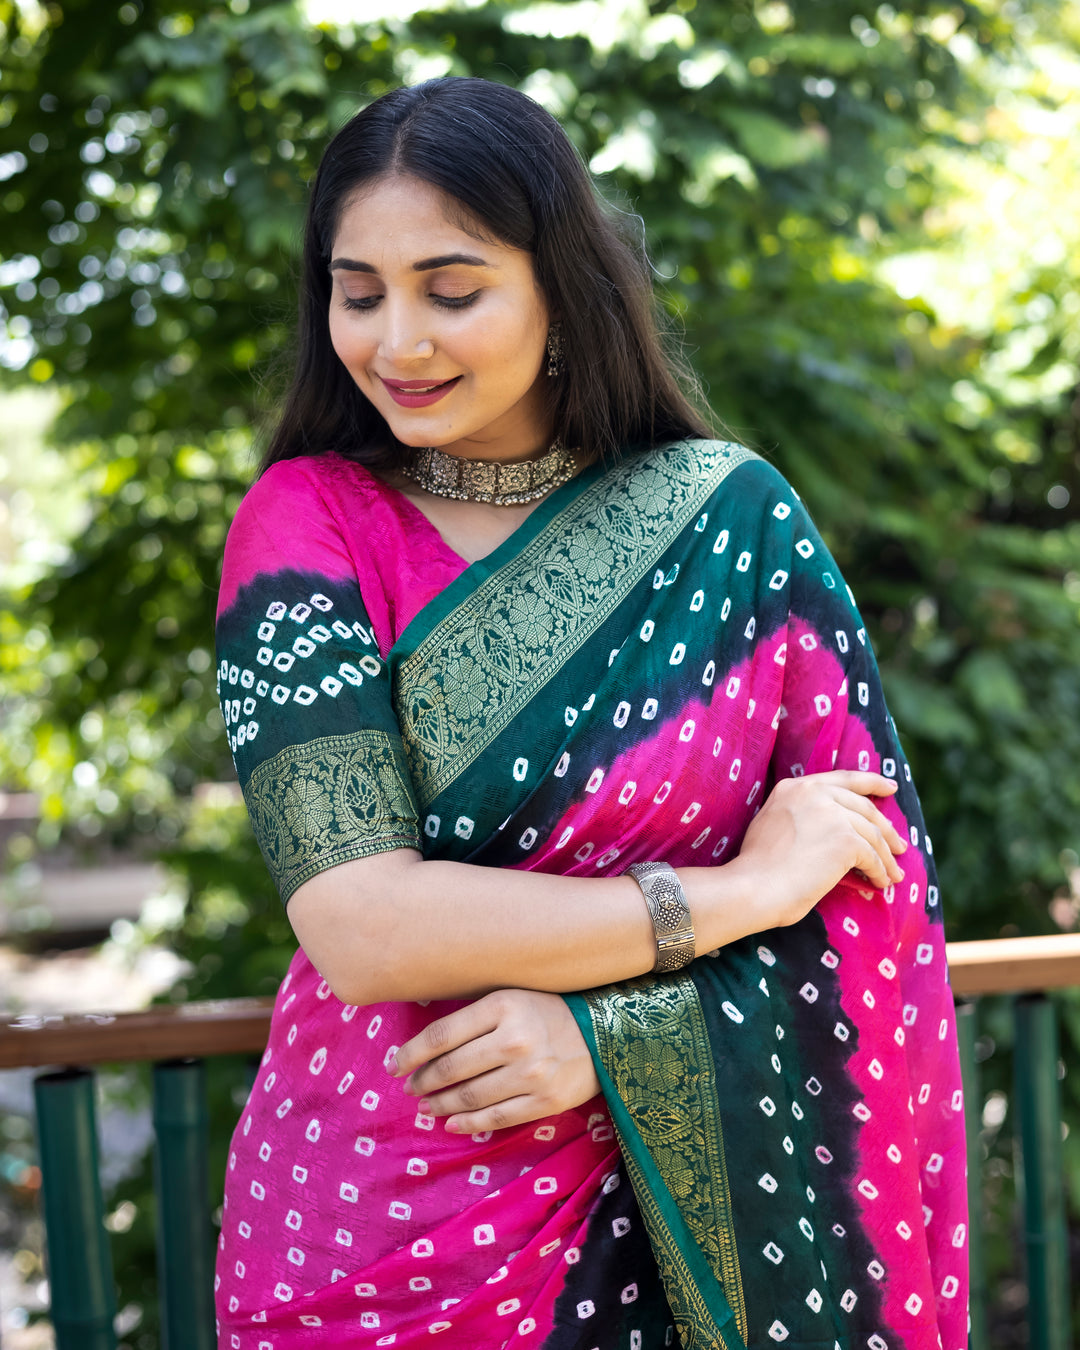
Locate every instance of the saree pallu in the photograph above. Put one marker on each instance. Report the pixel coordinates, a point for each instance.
(778, 1157)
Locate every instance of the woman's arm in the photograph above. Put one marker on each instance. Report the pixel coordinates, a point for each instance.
(395, 927)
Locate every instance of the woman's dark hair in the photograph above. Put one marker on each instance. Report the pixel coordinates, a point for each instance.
(519, 180)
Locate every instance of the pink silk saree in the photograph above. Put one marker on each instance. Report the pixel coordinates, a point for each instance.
(779, 1156)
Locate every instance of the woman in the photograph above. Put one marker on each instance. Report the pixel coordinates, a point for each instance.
(498, 623)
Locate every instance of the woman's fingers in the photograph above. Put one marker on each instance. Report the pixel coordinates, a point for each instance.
(862, 806)
(499, 1116)
(875, 855)
(448, 1034)
(461, 1065)
(862, 781)
(811, 832)
(513, 1056)
(475, 1094)
(485, 1092)
(877, 839)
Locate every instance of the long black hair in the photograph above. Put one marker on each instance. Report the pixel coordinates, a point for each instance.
(517, 179)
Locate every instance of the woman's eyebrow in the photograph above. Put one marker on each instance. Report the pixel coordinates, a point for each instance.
(449, 260)
(424, 265)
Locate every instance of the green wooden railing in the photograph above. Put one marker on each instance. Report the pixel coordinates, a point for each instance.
(177, 1039)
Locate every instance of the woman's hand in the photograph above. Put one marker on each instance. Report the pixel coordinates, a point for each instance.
(512, 1056)
(809, 834)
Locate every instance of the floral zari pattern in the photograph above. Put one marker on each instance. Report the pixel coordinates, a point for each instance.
(463, 684)
(652, 1038)
(329, 801)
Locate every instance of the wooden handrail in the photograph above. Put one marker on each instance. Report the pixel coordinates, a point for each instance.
(164, 1031)
(1012, 965)
(240, 1025)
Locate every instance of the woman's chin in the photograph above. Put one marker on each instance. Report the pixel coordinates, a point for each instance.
(420, 433)
(418, 439)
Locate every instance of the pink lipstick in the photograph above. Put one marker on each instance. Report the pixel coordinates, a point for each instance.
(418, 393)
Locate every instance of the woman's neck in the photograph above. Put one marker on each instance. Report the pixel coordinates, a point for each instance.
(471, 529)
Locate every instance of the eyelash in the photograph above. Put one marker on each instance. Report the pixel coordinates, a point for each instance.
(368, 302)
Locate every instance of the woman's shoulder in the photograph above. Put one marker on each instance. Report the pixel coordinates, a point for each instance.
(714, 460)
(729, 481)
(294, 496)
(315, 480)
(698, 450)
(304, 514)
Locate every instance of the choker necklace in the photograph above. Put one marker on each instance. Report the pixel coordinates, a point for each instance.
(483, 480)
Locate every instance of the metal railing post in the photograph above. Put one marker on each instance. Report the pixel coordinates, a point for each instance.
(185, 1243)
(81, 1291)
(967, 1034)
(1038, 1114)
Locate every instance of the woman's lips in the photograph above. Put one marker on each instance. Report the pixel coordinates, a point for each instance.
(418, 393)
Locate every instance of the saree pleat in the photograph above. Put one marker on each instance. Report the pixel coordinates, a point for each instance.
(624, 679)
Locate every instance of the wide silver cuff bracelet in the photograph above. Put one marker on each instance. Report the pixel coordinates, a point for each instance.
(670, 914)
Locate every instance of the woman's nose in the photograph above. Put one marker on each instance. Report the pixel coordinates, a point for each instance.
(404, 336)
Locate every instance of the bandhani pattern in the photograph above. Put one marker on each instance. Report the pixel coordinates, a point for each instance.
(779, 1157)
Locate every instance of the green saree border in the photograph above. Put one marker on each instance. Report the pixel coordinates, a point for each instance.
(450, 597)
(670, 1079)
(329, 801)
(499, 634)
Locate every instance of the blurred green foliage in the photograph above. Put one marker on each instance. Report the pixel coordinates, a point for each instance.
(823, 186)
(154, 161)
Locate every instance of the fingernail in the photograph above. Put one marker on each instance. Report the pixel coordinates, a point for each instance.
(392, 1066)
(424, 1106)
(901, 871)
(454, 1127)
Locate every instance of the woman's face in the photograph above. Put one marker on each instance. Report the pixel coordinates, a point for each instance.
(443, 332)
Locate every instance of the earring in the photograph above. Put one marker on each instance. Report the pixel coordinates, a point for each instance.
(555, 361)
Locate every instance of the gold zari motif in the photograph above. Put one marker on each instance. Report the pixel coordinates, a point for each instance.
(652, 1038)
(328, 801)
(472, 676)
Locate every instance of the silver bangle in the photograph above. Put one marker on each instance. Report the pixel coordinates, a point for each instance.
(670, 914)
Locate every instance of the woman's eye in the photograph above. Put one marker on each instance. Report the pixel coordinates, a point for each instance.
(456, 301)
(368, 302)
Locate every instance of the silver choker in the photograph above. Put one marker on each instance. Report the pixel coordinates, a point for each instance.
(482, 480)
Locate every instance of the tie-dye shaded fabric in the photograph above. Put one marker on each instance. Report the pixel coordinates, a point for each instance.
(624, 679)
